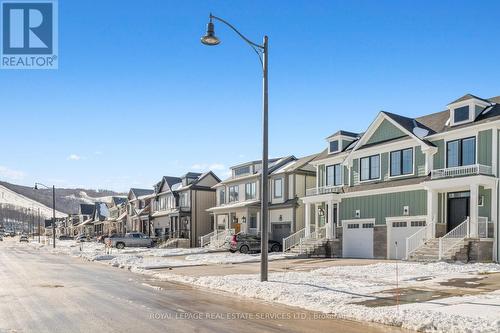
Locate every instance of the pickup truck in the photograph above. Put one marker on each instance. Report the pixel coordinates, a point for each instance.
(131, 239)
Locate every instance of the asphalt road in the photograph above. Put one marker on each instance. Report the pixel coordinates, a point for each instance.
(42, 292)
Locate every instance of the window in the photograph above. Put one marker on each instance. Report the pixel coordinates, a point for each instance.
(222, 196)
(399, 224)
(183, 200)
(402, 162)
(278, 188)
(253, 221)
(370, 167)
(250, 192)
(334, 146)
(461, 114)
(367, 225)
(242, 171)
(233, 193)
(334, 175)
(353, 226)
(461, 152)
(418, 223)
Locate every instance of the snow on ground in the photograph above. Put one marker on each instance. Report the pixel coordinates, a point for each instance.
(333, 290)
(230, 258)
(153, 258)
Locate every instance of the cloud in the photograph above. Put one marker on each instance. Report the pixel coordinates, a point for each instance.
(11, 174)
(74, 157)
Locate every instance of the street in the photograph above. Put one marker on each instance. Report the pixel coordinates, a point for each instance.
(42, 292)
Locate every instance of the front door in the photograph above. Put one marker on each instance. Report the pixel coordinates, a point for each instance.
(458, 209)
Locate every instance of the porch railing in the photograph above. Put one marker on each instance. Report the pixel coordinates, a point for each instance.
(418, 239)
(205, 239)
(293, 239)
(454, 237)
(323, 190)
(219, 239)
(482, 227)
(466, 170)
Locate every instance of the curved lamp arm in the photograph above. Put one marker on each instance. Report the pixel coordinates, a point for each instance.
(40, 184)
(259, 49)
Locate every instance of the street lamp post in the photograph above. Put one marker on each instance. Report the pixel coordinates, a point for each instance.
(262, 51)
(53, 211)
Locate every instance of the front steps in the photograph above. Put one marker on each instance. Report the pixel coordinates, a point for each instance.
(429, 252)
(308, 248)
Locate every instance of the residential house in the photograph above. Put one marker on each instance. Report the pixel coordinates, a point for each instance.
(238, 198)
(424, 187)
(179, 207)
(116, 222)
(101, 215)
(82, 219)
(138, 209)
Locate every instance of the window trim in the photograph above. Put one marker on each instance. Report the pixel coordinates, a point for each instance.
(401, 164)
(274, 188)
(330, 146)
(254, 193)
(237, 191)
(370, 169)
(334, 178)
(460, 160)
(222, 195)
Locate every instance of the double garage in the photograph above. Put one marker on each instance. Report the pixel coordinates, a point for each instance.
(359, 237)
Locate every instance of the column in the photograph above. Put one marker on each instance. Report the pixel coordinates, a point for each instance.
(307, 219)
(474, 210)
(432, 210)
(329, 226)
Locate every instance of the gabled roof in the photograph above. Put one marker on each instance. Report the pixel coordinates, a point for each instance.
(299, 164)
(138, 192)
(345, 133)
(171, 181)
(118, 200)
(192, 175)
(469, 96)
(407, 123)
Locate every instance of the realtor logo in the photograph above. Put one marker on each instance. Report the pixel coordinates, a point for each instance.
(29, 34)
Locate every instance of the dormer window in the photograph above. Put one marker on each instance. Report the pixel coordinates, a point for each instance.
(334, 146)
(461, 114)
(466, 109)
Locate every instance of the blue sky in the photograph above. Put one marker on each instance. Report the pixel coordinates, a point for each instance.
(136, 95)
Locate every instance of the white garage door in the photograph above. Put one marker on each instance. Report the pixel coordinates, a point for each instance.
(398, 231)
(357, 239)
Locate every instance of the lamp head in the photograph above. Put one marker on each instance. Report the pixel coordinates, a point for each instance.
(36, 186)
(210, 39)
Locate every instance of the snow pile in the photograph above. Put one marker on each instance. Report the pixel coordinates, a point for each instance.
(230, 258)
(334, 290)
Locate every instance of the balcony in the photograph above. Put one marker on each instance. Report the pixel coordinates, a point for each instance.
(467, 170)
(323, 190)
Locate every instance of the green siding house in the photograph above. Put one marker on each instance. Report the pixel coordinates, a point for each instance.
(423, 188)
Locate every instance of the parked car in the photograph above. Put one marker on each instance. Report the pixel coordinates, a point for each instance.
(132, 239)
(1, 238)
(250, 243)
(64, 237)
(23, 238)
(81, 238)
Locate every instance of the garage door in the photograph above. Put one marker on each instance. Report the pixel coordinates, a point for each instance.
(357, 239)
(280, 231)
(398, 231)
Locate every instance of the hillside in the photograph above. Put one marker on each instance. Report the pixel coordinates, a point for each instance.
(67, 200)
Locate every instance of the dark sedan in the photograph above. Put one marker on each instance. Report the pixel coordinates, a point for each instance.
(250, 243)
